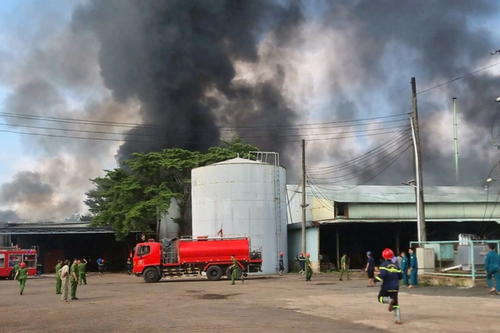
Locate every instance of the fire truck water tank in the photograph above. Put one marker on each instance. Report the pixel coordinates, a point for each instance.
(213, 250)
(242, 197)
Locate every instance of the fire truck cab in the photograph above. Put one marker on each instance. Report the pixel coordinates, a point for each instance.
(12, 256)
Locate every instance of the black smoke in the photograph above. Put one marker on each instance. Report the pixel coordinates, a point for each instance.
(172, 54)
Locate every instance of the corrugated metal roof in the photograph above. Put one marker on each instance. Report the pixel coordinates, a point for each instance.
(398, 194)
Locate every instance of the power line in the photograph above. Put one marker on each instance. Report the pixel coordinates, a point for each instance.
(368, 180)
(357, 171)
(458, 78)
(271, 140)
(154, 126)
(364, 158)
(78, 131)
(305, 135)
(71, 137)
(393, 138)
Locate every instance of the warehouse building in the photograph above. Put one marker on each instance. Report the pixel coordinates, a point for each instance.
(357, 219)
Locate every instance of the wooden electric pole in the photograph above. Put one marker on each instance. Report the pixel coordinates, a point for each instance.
(418, 167)
(304, 205)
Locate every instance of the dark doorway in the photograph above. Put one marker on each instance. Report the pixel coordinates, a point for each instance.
(89, 246)
(355, 239)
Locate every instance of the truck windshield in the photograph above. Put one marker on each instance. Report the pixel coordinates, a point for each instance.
(143, 250)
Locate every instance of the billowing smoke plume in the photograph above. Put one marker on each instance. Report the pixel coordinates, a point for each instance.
(172, 54)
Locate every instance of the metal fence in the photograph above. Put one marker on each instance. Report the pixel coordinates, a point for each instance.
(462, 258)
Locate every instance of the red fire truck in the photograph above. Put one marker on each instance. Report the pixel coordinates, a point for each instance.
(10, 256)
(194, 256)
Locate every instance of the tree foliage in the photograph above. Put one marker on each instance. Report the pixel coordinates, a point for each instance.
(132, 197)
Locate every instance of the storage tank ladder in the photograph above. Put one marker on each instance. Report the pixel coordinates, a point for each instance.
(277, 205)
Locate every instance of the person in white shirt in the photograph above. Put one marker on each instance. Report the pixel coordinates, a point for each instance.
(64, 275)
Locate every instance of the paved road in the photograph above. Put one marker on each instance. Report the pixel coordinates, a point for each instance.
(122, 303)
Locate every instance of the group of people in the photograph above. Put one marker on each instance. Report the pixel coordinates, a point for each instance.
(408, 267)
(305, 265)
(67, 276)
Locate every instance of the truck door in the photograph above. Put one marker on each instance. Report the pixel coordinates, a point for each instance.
(143, 253)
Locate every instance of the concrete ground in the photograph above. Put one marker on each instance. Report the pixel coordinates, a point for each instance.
(122, 303)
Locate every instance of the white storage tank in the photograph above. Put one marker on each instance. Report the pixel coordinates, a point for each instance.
(244, 198)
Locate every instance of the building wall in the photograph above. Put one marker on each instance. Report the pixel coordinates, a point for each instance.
(432, 211)
(294, 208)
(312, 245)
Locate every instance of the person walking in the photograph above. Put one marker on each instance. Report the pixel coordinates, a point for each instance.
(491, 265)
(344, 267)
(404, 268)
(281, 264)
(58, 277)
(64, 276)
(234, 271)
(82, 272)
(21, 276)
(389, 275)
(39, 269)
(309, 271)
(100, 266)
(302, 263)
(413, 269)
(370, 269)
(74, 278)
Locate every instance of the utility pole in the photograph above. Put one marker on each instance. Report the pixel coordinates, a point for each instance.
(455, 136)
(418, 167)
(304, 205)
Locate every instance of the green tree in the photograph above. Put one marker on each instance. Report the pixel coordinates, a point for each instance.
(133, 196)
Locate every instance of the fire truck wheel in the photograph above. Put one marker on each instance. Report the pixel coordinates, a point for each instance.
(151, 275)
(214, 273)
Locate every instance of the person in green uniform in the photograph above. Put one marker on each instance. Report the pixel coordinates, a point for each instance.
(413, 269)
(58, 278)
(21, 276)
(234, 271)
(309, 271)
(16, 267)
(82, 274)
(404, 268)
(74, 278)
(39, 267)
(344, 267)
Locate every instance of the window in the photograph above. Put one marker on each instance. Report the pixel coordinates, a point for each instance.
(2, 260)
(341, 209)
(15, 259)
(143, 250)
(30, 260)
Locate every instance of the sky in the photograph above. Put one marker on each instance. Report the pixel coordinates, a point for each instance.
(271, 71)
